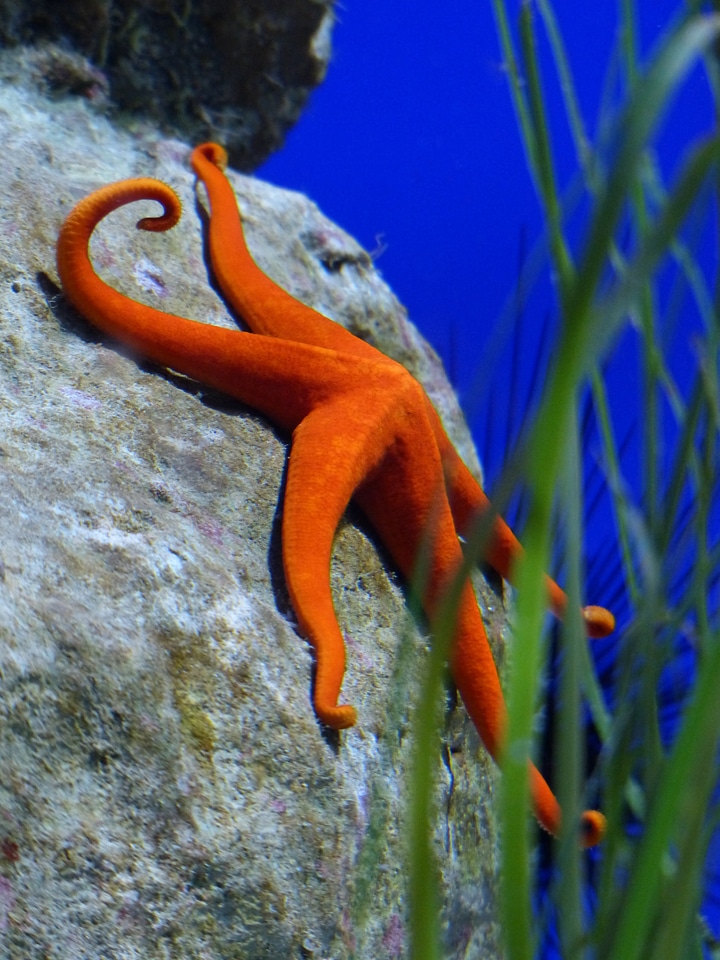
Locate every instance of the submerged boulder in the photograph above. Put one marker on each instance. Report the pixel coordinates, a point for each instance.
(165, 788)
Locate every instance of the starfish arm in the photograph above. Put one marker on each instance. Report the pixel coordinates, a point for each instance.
(407, 504)
(549, 814)
(90, 295)
(473, 670)
(474, 673)
(468, 502)
(277, 377)
(332, 450)
(262, 304)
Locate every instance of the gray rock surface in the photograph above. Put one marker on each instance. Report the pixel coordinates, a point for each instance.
(165, 789)
(235, 70)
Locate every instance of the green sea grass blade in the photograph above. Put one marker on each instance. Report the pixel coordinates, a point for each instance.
(423, 886)
(567, 87)
(375, 836)
(568, 739)
(516, 85)
(679, 903)
(686, 767)
(545, 166)
(579, 341)
(612, 463)
(422, 865)
(650, 98)
(611, 311)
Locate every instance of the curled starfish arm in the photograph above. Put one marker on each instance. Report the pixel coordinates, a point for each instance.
(262, 304)
(88, 293)
(277, 377)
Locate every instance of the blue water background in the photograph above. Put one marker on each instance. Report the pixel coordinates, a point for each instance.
(412, 145)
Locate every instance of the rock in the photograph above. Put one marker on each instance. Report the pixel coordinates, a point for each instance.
(232, 70)
(165, 789)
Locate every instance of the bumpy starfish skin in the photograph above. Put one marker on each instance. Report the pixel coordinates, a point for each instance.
(362, 427)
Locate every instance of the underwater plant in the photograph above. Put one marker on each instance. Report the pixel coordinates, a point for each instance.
(635, 294)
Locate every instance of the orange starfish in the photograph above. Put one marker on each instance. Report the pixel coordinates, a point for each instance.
(362, 427)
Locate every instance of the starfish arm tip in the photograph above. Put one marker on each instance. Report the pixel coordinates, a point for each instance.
(338, 717)
(592, 828)
(599, 622)
(159, 224)
(208, 152)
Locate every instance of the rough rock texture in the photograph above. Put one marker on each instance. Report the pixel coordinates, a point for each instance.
(165, 789)
(235, 70)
